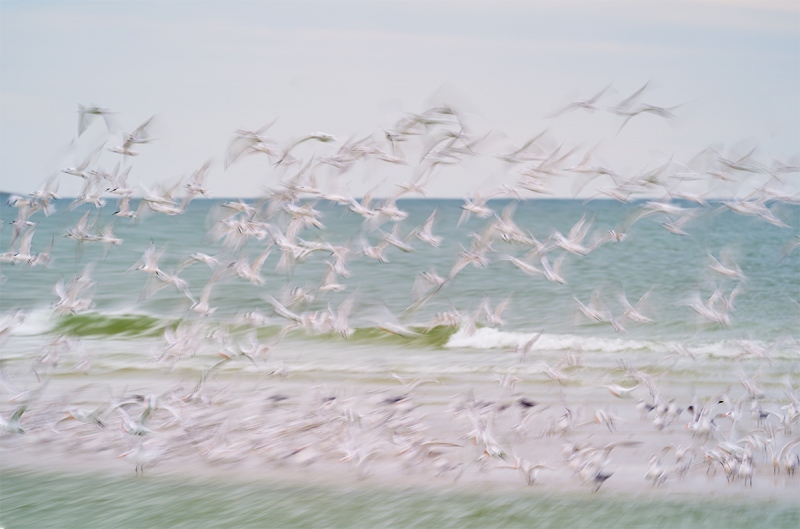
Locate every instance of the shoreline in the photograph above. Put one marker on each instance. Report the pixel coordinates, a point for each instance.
(94, 499)
(344, 482)
(303, 453)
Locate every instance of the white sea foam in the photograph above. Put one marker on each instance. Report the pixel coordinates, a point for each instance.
(33, 322)
(491, 338)
(750, 350)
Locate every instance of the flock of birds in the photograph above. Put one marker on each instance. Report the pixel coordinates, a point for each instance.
(395, 426)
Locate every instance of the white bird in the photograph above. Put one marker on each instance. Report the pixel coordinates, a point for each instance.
(252, 271)
(317, 136)
(340, 323)
(596, 310)
(12, 425)
(621, 392)
(553, 273)
(140, 134)
(656, 471)
(394, 239)
(199, 257)
(426, 286)
(676, 226)
(790, 246)
(75, 296)
(86, 115)
(494, 317)
(521, 154)
(329, 283)
(250, 142)
(45, 195)
(424, 232)
(202, 306)
(23, 253)
(143, 452)
(525, 348)
(526, 267)
(632, 312)
(150, 260)
(732, 271)
(708, 312)
(624, 107)
(124, 208)
(375, 252)
(588, 105)
(163, 279)
(476, 258)
(787, 458)
(81, 170)
(475, 206)
(196, 184)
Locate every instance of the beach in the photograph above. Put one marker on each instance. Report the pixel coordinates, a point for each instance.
(544, 408)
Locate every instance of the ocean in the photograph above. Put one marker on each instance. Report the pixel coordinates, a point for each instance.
(652, 375)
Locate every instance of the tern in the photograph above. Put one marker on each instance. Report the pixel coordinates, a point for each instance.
(553, 273)
(732, 272)
(588, 105)
(475, 206)
(633, 312)
(424, 232)
(11, 425)
(86, 114)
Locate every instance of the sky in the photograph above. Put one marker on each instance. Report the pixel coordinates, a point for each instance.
(728, 70)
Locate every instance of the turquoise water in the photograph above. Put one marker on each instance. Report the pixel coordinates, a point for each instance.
(674, 267)
(115, 354)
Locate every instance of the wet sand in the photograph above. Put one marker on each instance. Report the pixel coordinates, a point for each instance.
(378, 434)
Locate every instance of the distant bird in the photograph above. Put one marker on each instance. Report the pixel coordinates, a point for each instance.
(655, 471)
(588, 105)
(621, 392)
(731, 271)
(475, 206)
(553, 273)
(86, 115)
(317, 136)
(623, 108)
(789, 247)
(632, 312)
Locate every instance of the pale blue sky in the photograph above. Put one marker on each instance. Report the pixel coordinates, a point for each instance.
(206, 69)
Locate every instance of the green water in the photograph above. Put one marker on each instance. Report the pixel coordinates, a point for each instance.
(90, 501)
